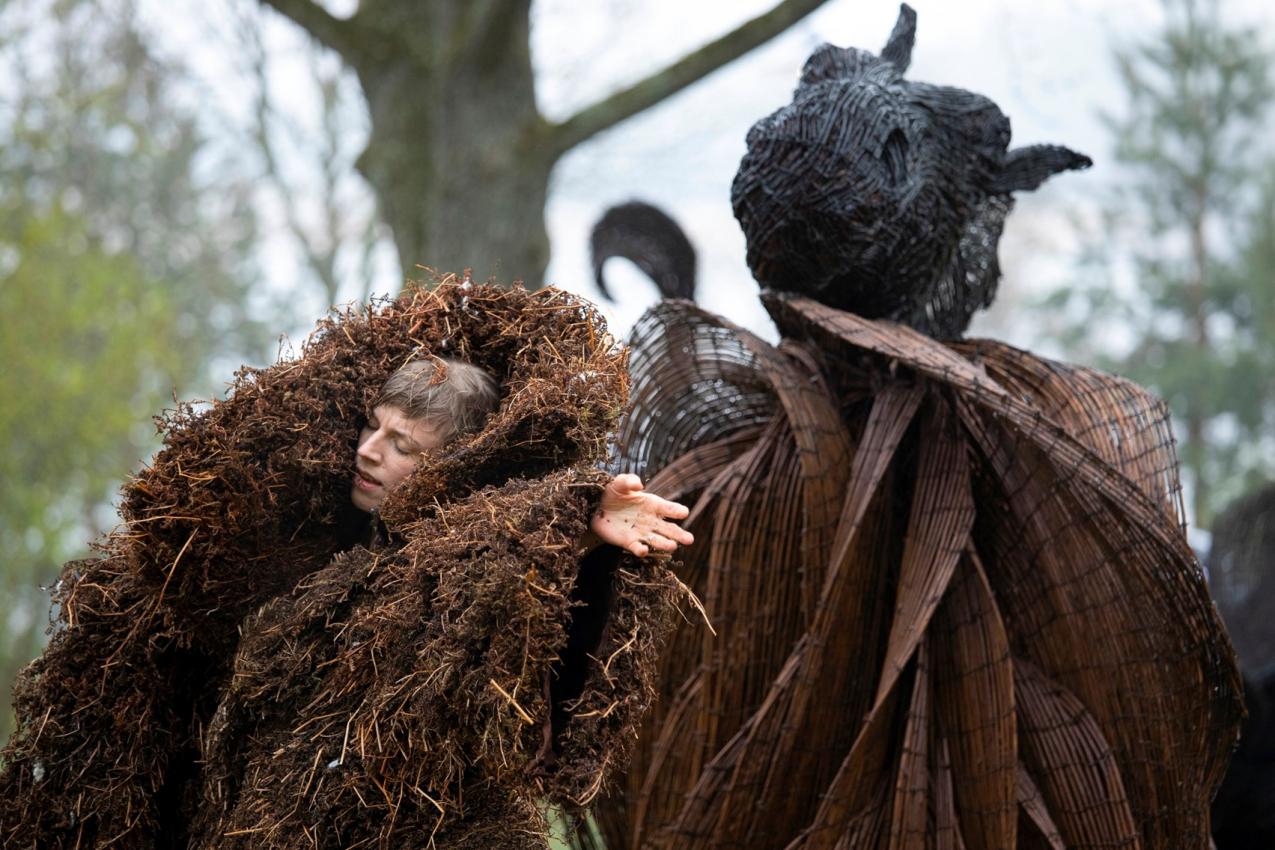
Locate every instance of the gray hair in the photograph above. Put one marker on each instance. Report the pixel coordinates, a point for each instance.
(451, 395)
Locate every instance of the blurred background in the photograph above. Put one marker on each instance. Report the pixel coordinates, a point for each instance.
(186, 188)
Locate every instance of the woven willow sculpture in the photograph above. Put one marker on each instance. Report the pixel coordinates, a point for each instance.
(954, 604)
(882, 196)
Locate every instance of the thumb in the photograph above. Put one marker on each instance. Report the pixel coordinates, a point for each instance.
(627, 483)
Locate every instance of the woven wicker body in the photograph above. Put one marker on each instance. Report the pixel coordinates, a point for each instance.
(954, 602)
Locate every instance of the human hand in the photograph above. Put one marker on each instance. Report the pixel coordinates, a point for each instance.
(633, 519)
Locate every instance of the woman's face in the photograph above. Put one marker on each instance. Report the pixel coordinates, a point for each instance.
(389, 446)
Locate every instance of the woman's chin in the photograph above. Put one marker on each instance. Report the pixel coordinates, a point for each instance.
(363, 500)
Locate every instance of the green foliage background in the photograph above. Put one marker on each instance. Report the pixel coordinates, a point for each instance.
(124, 273)
(1176, 284)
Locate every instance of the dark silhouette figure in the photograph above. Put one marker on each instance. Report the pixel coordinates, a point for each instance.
(1242, 576)
(1244, 809)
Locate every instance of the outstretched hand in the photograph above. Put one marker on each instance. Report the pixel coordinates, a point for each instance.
(633, 519)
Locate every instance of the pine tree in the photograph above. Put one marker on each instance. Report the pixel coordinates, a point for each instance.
(1197, 96)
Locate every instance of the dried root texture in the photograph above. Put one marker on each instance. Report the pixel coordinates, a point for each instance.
(367, 706)
(230, 672)
(954, 603)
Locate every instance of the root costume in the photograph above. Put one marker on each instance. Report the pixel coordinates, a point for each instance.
(955, 607)
(248, 664)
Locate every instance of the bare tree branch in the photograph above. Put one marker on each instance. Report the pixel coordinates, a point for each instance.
(321, 259)
(667, 82)
(324, 27)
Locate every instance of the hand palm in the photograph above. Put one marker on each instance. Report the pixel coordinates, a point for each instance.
(633, 519)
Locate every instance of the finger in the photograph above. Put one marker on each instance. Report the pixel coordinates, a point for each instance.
(672, 510)
(637, 547)
(660, 543)
(675, 533)
(627, 483)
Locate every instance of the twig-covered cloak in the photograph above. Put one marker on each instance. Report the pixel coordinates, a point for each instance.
(243, 666)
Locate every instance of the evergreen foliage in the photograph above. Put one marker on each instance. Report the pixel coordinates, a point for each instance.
(1193, 227)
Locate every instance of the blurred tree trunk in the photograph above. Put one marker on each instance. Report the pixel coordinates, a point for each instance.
(459, 154)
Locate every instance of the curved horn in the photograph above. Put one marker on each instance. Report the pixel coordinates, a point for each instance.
(1026, 168)
(651, 240)
(898, 49)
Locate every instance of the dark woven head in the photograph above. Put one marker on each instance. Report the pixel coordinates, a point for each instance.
(882, 196)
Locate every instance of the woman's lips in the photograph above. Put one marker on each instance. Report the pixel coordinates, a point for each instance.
(364, 481)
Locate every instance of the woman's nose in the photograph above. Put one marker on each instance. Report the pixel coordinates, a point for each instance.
(370, 450)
